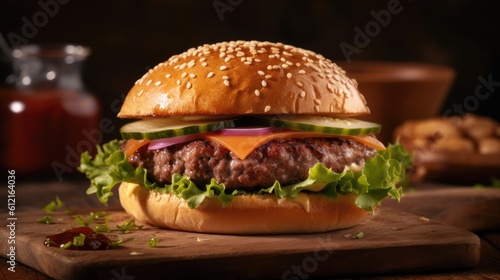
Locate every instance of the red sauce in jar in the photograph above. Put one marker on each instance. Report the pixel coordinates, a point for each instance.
(92, 241)
(43, 126)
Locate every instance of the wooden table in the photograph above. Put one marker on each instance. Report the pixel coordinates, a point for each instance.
(480, 214)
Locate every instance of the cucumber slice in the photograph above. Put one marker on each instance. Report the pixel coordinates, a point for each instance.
(320, 124)
(171, 127)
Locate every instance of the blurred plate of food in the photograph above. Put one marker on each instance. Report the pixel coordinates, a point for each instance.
(460, 150)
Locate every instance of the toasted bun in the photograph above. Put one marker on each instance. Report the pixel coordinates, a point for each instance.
(244, 77)
(246, 214)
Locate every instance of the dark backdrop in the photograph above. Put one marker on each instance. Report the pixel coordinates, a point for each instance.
(129, 36)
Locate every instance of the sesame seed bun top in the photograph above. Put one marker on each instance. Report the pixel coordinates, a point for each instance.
(244, 77)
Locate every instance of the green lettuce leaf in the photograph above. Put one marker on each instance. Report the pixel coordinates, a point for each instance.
(380, 178)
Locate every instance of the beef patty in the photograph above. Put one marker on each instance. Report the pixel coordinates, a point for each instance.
(287, 161)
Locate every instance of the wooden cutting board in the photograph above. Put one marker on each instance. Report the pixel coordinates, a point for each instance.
(474, 209)
(393, 242)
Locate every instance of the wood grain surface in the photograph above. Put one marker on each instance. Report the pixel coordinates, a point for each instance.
(393, 242)
(474, 209)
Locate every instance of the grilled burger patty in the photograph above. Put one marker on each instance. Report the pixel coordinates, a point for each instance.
(287, 161)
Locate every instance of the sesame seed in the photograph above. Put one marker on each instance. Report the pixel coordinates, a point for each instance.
(316, 108)
(223, 67)
(225, 77)
(188, 85)
(315, 68)
(267, 109)
(257, 60)
(289, 75)
(149, 82)
(238, 54)
(276, 67)
(203, 59)
(247, 62)
(178, 82)
(261, 73)
(210, 74)
(140, 92)
(269, 67)
(284, 65)
(302, 72)
(158, 83)
(226, 83)
(257, 92)
(329, 87)
(222, 54)
(300, 84)
(317, 101)
(268, 77)
(271, 56)
(302, 94)
(264, 83)
(184, 75)
(192, 75)
(168, 76)
(191, 63)
(227, 58)
(138, 82)
(183, 65)
(204, 63)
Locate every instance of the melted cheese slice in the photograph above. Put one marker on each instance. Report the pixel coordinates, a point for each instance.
(242, 146)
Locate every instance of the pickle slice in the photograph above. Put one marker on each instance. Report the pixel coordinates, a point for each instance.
(322, 124)
(159, 128)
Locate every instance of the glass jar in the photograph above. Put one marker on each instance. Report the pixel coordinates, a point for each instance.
(46, 113)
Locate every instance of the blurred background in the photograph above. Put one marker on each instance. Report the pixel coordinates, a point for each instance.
(128, 37)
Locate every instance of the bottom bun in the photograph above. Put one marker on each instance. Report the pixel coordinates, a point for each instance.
(246, 214)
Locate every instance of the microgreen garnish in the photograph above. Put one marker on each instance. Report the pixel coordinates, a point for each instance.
(118, 242)
(153, 242)
(104, 227)
(79, 240)
(45, 220)
(358, 235)
(84, 223)
(128, 226)
(53, 205)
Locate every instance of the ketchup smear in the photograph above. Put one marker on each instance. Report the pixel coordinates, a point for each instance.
(93, 240)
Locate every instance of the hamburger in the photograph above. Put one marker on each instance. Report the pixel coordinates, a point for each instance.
(247, 137)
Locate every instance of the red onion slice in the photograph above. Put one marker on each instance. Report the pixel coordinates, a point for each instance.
(165, 142)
